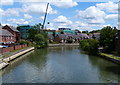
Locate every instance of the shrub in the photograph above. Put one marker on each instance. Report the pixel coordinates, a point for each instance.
(69, 41)
(23, 42)
(89, 45)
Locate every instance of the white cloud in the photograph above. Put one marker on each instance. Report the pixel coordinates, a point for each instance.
(118, 24)
(27, 16)
(37, 8)
(109, 7)
(6, 2)
(65, 3)
(10, 12)
(58, 3)
(83, 26)
(1, 12)
(42, 17)
(18, 21)
(50, 26)
(62, 19)
(3, 24)
(92, 15)
(106, 25)
(111, 16)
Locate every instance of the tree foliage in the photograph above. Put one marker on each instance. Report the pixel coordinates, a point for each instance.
(107, 36)
(89, 45)
(38, 37)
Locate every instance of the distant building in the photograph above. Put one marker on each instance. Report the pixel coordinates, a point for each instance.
(9, 35)
(24, 30)
(62, 38)
(50, 37)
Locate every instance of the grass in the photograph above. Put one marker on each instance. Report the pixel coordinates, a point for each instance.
(110, 56)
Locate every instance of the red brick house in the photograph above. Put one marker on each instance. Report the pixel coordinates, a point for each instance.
(14, 32)
(9, 35)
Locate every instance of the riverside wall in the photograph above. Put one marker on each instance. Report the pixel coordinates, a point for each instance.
(63, 44)
(5, 61)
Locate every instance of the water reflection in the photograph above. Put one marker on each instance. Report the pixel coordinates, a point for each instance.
(15, 63)
(108, 71)
(65, 64)
(38, 58)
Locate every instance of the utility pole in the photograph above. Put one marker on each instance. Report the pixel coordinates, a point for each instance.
(45, 16)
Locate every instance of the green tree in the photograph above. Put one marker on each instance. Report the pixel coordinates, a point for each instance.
(94, 31)
(32, 33)
(18, 28)
(90, 46)
(39, 41)
(107, 38)
(85, 32)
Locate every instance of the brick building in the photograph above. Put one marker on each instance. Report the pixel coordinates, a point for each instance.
(9, 35)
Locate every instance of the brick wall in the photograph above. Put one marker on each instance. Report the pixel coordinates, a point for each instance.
(9, 49)
(16, 47)
(4, 50)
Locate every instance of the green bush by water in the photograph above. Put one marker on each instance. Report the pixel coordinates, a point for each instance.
(89, 45)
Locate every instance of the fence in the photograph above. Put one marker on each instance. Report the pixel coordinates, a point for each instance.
(12, 48)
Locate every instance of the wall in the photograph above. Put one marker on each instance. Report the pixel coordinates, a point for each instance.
(12, 48)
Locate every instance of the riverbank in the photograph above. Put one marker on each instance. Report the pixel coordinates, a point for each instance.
(115, 59)
(5, 60)
(63, 44)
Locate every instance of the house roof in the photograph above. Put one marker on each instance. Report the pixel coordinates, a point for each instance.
(76, 36)
(4, 32)
(50, 36)
(13, 28)
(84, 35)
(63, 36)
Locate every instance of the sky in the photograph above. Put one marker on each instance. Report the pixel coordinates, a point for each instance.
(81, 15)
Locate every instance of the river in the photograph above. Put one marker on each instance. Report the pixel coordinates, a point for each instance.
(60, 65)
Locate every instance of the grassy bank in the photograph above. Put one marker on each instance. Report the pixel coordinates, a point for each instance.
(111, 57)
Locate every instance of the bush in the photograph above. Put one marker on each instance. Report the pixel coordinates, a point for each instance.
(89, 45)
(69, 41)
(23, 42)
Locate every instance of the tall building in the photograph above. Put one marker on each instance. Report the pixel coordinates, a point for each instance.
(24, 30)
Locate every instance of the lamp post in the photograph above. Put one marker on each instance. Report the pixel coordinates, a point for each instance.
(45, 16)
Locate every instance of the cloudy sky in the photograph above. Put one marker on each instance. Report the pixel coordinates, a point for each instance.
(62, 13)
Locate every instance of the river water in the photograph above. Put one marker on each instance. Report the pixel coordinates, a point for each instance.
(60, 65)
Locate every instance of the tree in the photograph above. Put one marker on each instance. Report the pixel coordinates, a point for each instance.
(32, 33)
(18, 28)
(94, 31)
(89, 45)
(39, 37)
(40, 41)
(85, 32)
(107, 37)
(53, 34)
